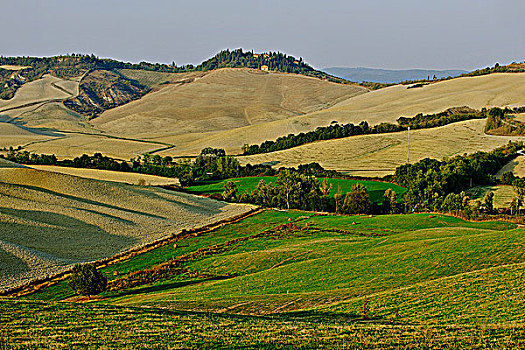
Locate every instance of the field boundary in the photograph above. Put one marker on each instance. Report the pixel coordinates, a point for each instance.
(39, 284)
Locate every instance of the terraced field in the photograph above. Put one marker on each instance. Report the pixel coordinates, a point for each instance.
(49, 221)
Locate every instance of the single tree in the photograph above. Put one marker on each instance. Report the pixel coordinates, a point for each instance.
(488, 201)
(389, 201)
(357, 201)
(230, 191)
(87, 280)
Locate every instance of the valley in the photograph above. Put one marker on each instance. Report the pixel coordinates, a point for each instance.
(390, 238)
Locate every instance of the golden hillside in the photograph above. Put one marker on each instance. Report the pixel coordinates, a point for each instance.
(380, 154)
(385, 105)
(221, 100)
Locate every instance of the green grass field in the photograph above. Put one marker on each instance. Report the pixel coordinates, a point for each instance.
(376, 189)
(297, 279)
(51, 325)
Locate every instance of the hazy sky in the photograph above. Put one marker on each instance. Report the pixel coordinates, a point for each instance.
(396, 34)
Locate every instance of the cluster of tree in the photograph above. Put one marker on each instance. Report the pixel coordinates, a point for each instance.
(336, 130)
(451, 115)
(275, 61)
(434, 185)
(500, 121)
(25, 157)
(295, 190)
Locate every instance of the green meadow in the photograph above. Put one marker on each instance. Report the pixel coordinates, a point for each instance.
(375, 189)
(289, 279)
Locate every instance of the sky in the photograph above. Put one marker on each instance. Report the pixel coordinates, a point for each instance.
(391, 34)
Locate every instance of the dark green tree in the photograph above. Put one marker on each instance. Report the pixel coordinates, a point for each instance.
(389, 201)
(488, 202)
(357, 201)
(87, 280)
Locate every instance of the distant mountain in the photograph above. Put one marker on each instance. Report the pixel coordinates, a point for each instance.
(387, 76)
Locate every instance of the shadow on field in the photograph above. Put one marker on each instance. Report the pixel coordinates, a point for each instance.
(86, 201)
(168, 286)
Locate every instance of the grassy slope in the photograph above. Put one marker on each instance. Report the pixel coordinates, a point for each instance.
(375, 189)
(319, 265)
(428, 282)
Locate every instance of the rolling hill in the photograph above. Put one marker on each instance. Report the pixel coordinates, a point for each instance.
(379, 155)
(390, 76)
(223, 99)
(49, 221)
(385, 105)
(389, 281)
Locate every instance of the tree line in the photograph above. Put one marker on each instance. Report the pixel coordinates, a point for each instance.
(434, 185)
(336, 130)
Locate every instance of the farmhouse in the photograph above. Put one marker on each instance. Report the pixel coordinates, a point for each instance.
(264, 68)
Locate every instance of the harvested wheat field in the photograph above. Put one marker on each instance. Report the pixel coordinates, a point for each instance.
(152, 78)
(516, 166)
(50, 116)
(75, 145)
(40, 90)
(13, 67)
(4, 163)
(503, 195)
(379, 155)
(385, 105)
(13, 135)
(49, 221)
(109, 175)
(223, 99)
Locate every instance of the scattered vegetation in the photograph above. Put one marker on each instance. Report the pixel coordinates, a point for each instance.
(502, 122)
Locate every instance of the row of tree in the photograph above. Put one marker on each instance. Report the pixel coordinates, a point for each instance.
(336, 130)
